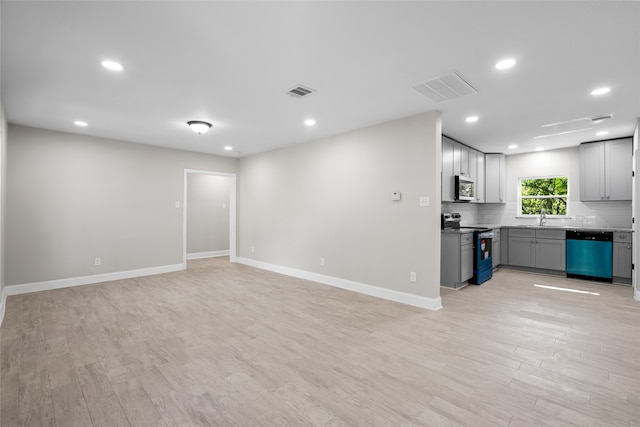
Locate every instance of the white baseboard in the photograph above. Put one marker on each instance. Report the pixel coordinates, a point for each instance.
(27, 288)
(375, 291)
(636, 294)
(211, 254)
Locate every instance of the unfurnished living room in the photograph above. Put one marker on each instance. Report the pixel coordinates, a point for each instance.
(239, 213)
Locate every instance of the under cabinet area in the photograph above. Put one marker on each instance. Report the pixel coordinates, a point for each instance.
(456, 259)
(542, 249)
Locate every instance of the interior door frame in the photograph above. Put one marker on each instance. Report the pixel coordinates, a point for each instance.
(232, 211)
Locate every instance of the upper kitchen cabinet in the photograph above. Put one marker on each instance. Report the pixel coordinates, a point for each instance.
(495, 178)
(458, 159)
(605, 170)
(480, 177)
(447, 170)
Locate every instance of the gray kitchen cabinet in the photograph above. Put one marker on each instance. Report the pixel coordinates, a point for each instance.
(456, 259)
(551, 254)
(504, 246)
(605, 170)
(618, 169)
(480, 178)
(522, 249)
(461, 160)
(458, 159)
(622, 257)
(466, 261)
(495, 175)
(544, 249)
(447, 170)
(495, 250)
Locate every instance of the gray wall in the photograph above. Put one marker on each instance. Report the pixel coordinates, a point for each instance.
(331, 199)
(71, 198)
(3, 193)
(207, 213)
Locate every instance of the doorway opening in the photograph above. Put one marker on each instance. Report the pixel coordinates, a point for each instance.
(223, 198)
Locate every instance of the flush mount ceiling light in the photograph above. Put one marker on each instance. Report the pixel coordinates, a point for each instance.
(228, 148)
(505, 64)
(512, 146)
(600, 91)
(199, 127)
(540, 149)
(80, 123)
(603, 133)
(310, 122)
(112, 65)
(471, 119)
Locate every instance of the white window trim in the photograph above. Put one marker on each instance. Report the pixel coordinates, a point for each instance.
(519, 213)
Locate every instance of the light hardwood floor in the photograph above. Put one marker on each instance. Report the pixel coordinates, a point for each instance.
(225, 344)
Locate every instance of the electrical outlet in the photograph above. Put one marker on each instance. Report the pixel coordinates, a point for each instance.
(321, 262)
(97, 261)
(253, 249)
(412, 277)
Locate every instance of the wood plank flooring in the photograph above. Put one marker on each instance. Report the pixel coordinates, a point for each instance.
(228, 345)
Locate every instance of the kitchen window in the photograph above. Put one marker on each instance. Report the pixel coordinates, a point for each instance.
(549, 192)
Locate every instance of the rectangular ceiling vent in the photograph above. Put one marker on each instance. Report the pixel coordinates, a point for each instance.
(445, 87)
(300, 91)
(601, 118)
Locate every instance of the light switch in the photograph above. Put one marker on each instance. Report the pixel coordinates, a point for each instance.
(424, 201)
(177, 205)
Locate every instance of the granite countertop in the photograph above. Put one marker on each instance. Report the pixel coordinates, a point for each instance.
(539, 227)
(571, 227)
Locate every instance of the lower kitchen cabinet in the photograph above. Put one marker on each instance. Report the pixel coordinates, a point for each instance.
(544, 249)
(495, 249)
(521, 249)
(456, 259)
(622, 258)
(551, 253)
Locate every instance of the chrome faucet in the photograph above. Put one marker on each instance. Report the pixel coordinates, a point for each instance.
(543, 215)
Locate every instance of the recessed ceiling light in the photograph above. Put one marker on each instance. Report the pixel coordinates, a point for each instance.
(471, 119)
(602, 133)
(310, 122)
(505, 63)
(512, 146)
(112, 65)
(81, 123)
(600, 91)
(228, 148)
(539, 149)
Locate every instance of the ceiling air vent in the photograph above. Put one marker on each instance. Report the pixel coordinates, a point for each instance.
(445, 87)
(601, 118)
(300, 91)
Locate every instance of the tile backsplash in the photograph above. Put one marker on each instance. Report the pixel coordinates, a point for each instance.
(582, 214)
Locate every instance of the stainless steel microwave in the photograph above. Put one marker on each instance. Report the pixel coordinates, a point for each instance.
(465, 189)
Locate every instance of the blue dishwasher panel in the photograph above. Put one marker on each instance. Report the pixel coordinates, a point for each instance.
(590, 258)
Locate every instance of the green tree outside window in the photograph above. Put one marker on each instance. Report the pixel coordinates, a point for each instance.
(549, 193)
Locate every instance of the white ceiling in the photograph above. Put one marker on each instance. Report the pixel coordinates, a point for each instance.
(231, 63)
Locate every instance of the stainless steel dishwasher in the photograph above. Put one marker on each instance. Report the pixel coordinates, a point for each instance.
(590, 255)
